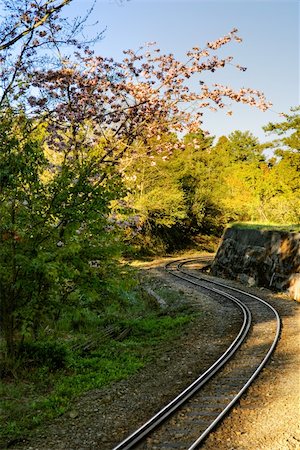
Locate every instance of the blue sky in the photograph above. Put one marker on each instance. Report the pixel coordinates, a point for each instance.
(270, 47)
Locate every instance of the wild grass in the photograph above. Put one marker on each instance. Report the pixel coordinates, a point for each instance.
(266, 226)
(100, 350)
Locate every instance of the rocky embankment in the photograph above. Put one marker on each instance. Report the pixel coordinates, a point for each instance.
(260, 258)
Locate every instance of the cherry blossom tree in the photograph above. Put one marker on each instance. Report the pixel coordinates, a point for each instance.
(31, 35)
(141, 97)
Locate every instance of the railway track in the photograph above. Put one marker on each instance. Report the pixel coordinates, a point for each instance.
(187, 420)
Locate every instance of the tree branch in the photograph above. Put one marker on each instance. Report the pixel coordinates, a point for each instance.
(37, 24)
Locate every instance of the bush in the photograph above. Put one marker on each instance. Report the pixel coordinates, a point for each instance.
(50, 354)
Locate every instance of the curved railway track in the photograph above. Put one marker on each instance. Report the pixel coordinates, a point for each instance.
(187, 420)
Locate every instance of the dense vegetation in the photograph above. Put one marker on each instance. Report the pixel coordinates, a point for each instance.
(101, 159)
(87, 351)
(204, 186)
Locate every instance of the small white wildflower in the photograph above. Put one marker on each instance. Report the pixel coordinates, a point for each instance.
(95, 263)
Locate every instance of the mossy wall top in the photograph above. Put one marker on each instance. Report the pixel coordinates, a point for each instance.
(260, 257)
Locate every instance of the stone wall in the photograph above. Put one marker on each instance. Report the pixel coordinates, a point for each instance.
(260, 258)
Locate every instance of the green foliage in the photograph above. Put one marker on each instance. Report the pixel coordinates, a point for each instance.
(202, 187)
(39, 354)
(243, 147)
(155, 328)
(266, 226)
(285, 202)
(289, 130)
(86, 359)
(54, 244)
(173, 195)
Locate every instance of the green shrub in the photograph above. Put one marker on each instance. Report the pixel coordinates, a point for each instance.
(46, 353)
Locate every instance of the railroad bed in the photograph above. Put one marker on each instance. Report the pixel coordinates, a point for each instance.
(186, 421)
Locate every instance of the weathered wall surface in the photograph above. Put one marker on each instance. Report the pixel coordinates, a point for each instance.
(260, 258)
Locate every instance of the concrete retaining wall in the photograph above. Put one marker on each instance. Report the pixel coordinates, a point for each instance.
(260, 258)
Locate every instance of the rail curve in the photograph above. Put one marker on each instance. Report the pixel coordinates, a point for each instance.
(193, 414)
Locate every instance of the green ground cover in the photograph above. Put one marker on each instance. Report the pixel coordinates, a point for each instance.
(266, 226)
(68, 363)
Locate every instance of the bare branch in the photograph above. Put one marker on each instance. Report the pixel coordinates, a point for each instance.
(36, 24)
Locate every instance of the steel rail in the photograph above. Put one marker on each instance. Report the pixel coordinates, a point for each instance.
(163, 414)
(166, 412)
(258, 369)
(218, 283)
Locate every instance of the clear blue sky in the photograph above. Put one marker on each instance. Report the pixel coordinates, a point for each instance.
(270, 47)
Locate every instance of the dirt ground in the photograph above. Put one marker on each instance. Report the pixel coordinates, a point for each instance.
(267, 417)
